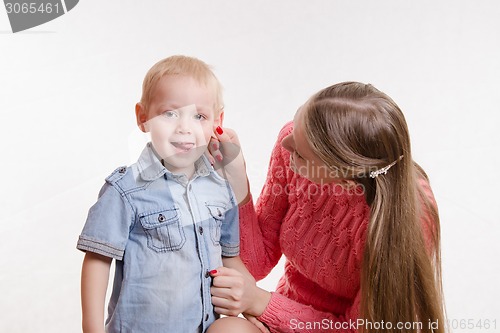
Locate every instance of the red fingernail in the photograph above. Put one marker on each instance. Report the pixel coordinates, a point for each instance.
(219, 130)
(214, 146)
(213, 272)
(218, 158)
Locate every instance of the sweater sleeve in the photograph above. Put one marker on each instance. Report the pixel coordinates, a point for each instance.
(285, 315)
(260, 224)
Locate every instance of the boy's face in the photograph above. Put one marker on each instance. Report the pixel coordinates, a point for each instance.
(181, 120)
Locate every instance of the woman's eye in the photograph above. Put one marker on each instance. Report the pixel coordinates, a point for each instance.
(199, 116)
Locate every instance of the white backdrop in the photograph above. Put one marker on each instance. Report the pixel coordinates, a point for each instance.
(68, 90)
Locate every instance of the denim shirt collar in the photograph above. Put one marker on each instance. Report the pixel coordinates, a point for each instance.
(151, 168)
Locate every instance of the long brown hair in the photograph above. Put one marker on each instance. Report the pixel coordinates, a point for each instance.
(355, 129)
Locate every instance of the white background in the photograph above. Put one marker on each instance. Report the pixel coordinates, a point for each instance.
(68, 90)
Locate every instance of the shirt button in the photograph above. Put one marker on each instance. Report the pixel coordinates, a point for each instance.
(206, 317)
(207, 274)
(201, 230)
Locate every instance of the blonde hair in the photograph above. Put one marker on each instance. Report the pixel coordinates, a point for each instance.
(356, 129)
(182, 65)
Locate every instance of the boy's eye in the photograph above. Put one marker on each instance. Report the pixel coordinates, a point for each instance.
(200, 116)
(169, 114)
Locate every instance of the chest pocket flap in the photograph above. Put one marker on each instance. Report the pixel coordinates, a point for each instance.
(163, 230)
(217, 213)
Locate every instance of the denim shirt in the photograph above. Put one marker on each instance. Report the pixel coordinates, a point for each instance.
(166, 233)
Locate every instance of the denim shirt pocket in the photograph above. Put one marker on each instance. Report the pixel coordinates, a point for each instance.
(217, 214)
(163, 230)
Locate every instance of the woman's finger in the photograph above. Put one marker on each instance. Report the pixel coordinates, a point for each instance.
(228, 146)
(257, 323)
(226, 312)
(225, 135)
(227, 282)
(214, 152)
(224, 307)
(225, 271)
(220, 292)
(210, 157)
(231, 294)
(214, 144)
(226, 304)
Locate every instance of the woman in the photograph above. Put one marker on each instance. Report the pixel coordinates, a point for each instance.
(353, 214)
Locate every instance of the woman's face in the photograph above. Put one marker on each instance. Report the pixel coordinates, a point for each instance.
(303, 160)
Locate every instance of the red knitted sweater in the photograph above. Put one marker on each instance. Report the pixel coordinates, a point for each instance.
(321, 231)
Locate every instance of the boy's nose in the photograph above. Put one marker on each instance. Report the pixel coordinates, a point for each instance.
(184, 126)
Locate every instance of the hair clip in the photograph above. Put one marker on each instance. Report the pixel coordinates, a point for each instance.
(383, 171)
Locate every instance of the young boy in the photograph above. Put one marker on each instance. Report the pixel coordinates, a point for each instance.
(167, 219)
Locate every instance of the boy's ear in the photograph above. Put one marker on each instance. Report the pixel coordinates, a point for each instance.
(142, 117)
(219, 120)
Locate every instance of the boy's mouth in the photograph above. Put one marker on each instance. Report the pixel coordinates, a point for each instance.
(183, 146)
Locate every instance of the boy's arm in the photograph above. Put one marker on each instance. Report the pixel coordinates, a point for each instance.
(95, 276)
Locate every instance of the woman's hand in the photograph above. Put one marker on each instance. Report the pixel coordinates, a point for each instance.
(234, 293)
(228, 160)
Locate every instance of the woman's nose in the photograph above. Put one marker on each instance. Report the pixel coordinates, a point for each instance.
(288, 142)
